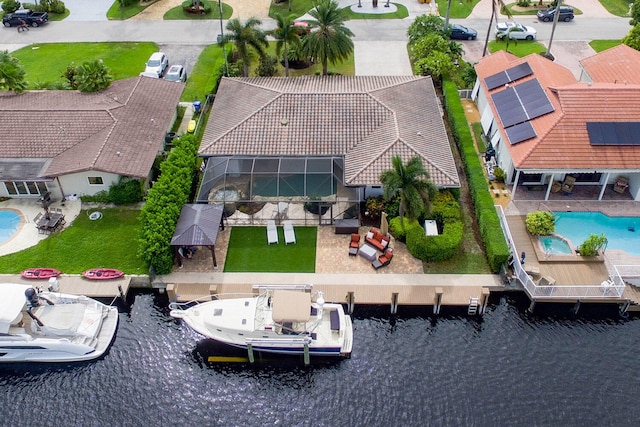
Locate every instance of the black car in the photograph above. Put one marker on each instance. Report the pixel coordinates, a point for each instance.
(460, 32)
(566, 14)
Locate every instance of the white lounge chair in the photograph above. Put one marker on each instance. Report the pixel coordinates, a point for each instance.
(272, 232)
(289, 233)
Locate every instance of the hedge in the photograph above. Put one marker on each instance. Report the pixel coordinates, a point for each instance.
(434, 248)
(165, 199)
(490, 231)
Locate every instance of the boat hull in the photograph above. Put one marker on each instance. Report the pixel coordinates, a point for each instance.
(102, 274)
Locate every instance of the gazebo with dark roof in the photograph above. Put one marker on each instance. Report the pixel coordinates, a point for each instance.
(198, 226)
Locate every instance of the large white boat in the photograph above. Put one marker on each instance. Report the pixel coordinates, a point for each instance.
(38, 326)
(277, 320)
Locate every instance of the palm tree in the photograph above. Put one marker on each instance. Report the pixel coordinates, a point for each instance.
(244, 37)
(496, 6)
(411, 183)
(330, 39)
(286, 34)
(11, 73)
(92, 76)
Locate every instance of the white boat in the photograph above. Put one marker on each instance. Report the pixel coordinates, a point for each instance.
(277, 320)
(38, 326)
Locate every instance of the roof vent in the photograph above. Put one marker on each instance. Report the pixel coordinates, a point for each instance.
(284, 122)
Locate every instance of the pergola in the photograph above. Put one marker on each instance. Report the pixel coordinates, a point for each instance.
(198, 226)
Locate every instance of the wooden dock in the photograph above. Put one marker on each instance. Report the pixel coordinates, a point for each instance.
(78, 285)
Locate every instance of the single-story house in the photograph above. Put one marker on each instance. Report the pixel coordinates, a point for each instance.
(317, 137)
(555, 133)
(72, 143)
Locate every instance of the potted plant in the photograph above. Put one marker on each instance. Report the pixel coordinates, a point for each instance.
(593, 245)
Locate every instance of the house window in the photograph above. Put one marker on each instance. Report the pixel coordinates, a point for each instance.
(95, 180)
(21, 188)
(593, 178)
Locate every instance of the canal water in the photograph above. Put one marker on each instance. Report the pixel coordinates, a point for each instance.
(508, 368)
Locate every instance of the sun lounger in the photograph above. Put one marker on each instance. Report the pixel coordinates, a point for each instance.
(272, 232)
(289, 233)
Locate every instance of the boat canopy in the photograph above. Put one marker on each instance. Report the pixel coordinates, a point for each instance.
(291, 306)
(11, 304)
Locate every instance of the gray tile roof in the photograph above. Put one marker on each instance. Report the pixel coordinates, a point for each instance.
(366, 119)
(119, 130)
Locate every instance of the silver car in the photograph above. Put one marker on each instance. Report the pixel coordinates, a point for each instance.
(515, 31)
(157, 63)
(176, 73)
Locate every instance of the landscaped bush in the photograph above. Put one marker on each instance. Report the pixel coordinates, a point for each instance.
(592, 245)
(165, 199)
(399, 230)
(491, 233)
(374, 206)
(267, 66)
(435, 248)
(540, 223)
(499, 175)
(445, 208)
(10, 6)
(125, 192)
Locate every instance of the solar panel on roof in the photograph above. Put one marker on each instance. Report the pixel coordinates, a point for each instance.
(509, 107)
(521, 132)
(614, 133)
(496, 80)
(508, 76)
(534, 99)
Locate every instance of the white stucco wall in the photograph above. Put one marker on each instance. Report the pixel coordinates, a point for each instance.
(78, 183)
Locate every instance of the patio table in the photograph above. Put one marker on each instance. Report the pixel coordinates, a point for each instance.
(367, 252)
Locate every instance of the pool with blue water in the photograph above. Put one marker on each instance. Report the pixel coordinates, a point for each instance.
(9, 223)
(622, 232)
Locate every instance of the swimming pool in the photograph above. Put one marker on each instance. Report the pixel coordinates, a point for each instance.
(9, 223)
(622, 232)
(555, 245)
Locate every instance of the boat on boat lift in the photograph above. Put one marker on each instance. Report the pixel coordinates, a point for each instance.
(280, 319)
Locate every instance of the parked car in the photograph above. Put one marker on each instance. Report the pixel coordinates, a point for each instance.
(157, 63)
(515, 31)
(546, 15)
(176, 73)
(25, 16)
(460, 32)
(150, 74)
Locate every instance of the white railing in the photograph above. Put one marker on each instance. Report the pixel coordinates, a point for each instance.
(612, 288)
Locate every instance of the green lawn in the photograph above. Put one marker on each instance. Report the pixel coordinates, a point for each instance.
(178, 13)
(290, 7)
(600, 45)
(202, 78)
(459, 9)
(249, 252)
(534, 8)
(346, 68)
(116, 12)
(518, 48)
(109, 243)
(617, 7)
(400, 13)
(46, 63)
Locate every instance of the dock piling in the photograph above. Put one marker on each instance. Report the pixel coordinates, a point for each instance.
(576, 307)
(438, 301)
(484, 301)
(122, 296)
(394, 303)
(351, 301)
(307, 360)
(531, 306)
(250, 353)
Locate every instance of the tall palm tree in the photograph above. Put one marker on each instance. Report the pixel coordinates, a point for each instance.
(245, 37)
(330, 39)
(410, 182)
(496, 7)
(286, 35)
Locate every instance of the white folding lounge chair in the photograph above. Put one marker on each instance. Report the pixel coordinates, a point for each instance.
(289, 233)
(272, 232)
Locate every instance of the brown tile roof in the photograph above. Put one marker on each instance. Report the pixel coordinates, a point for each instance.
(620, 64)
(562, 141)
(366, 119)
(119, 130)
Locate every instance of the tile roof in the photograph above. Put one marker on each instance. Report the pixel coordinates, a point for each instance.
(562, 141)
(366, 119)
(620, 64)
(119, 130)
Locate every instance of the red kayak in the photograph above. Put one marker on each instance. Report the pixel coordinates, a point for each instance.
(102, 274)
(39, 273)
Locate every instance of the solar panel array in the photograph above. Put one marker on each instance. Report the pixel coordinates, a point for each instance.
(508, 76)
(518, 105)
(614, 133)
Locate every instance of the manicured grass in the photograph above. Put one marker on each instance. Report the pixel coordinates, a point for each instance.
(600, 45)
(46, 63)
(520, 48)
(109, 243)
(298, 8)
(534, 8)
(59, 16)
(400, 13)
(202, 78)
(249, 252)
(116, 12)
(177, 13)
(346, 68)
(477, 134)
(459, 9)
(617, 7)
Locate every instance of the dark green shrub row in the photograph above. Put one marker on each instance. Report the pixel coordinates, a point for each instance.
(434, 248)
(165, 199)
(126, 191)
(494, 242)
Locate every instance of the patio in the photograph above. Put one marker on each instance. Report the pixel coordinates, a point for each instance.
(579, 192)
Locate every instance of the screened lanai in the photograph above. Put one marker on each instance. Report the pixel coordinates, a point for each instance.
(305, 189)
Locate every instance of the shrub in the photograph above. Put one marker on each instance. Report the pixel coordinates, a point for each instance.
(524, 3)
(445, 209)
(540, 223)
(125, 192)
(592, 245)
(10, 6)
(267, 66)
(435, 248)
(399, 229)
(499, 175)
(57, 6)
(99, 197)
(374, 206)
